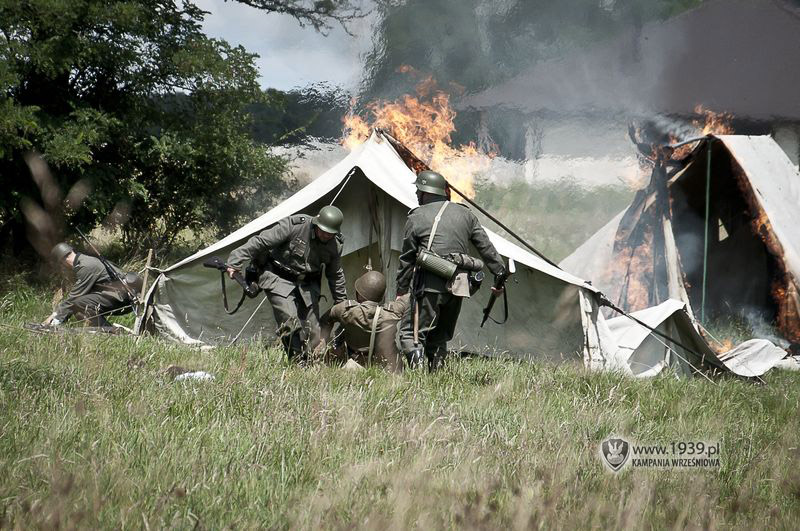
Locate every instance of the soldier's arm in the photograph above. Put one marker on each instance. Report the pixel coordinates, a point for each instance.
(326, 322)
(262, 242)
(335, 274)
(408, 257)
(328, 319)
(401, 304)
(481, 241)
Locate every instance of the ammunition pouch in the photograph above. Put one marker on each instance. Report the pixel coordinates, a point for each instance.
(433, 263)
(475, 281)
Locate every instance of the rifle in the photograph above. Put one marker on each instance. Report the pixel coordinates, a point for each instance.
(113, 275)
(249, 289)
(415, 356)
(499, 282)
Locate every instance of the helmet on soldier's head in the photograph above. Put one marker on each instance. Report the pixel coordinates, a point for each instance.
(61, 251)
(431, 182)
(329, 219)
(371, 286)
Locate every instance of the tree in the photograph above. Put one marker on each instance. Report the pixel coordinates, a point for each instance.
(136, 112)
(317, 13)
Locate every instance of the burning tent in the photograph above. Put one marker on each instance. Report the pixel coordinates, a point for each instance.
(717, 230)
(552, 314)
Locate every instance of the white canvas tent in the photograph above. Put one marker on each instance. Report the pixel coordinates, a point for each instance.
(644, 354)
(552, 314)
(655, 249)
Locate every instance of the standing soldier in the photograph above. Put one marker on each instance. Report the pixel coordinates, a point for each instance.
(95, 293)
(289, 257)
(369, 329)
(437, 231)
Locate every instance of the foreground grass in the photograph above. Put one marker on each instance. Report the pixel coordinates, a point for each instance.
(93, 434)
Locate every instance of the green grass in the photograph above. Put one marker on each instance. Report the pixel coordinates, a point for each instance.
(93, 434)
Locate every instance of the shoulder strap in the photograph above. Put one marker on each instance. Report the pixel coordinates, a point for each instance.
(436, 224)
(372, 334)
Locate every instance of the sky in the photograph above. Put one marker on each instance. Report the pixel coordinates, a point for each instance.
(291, 56)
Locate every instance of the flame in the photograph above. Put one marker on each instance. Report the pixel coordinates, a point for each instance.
(424, 124)
(714, 123)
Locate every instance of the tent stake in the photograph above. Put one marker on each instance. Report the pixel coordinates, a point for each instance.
(705, 237)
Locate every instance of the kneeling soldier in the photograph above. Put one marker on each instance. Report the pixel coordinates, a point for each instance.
(369, 329)
(95, 293)
(289, 257)
(442, 230)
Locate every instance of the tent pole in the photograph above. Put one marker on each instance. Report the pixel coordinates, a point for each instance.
(502, 226)
(705, 237)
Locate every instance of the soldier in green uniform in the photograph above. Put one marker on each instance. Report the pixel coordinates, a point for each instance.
(290, 256)
(437, 301)
(369, 328)
(94, 295)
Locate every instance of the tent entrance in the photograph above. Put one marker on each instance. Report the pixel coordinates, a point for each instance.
(739, 269)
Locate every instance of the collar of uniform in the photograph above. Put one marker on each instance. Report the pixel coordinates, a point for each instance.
(434, 198)
(313, 233)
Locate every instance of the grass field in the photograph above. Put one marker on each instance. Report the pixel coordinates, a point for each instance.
(93, 434)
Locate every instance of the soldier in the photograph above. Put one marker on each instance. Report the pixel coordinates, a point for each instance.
(94, 295)
(289, 257)
(369, 329)
(437, 301)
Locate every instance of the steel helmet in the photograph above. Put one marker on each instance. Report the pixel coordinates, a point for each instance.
(61, 251)
(329, 219)
(371, 286)
(431, 182)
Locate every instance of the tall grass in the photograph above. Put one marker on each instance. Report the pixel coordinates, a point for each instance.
(94, 434)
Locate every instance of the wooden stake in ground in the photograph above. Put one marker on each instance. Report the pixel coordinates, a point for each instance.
(137, 329)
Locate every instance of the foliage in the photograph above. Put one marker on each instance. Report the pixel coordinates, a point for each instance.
(555, 217)
(131, 99)
(95, 435)
(315, 111)
(317, 13)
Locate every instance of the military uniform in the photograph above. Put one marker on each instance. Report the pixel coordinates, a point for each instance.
(356, 319)
(438, 307)
(290, 258)
(94, 294)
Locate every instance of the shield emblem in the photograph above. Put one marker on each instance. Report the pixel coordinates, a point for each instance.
(615, 453)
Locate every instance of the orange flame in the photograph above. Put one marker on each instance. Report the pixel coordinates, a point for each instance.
(714, 123)
(424, 124)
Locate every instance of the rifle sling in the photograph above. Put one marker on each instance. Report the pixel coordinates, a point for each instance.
(373, 333)
(225, 296)
(505, 310)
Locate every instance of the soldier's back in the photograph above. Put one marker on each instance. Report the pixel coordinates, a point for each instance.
(453, 231)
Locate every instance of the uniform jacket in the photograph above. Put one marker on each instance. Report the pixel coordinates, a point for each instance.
(457, 228)
(356, 319)
(91, 276)
(293, 243)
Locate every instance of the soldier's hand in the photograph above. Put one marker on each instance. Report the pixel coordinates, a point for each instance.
(231, 271)
(498, 291)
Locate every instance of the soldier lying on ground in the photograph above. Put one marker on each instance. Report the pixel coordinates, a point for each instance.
(366, 325)
(95, 294)
(289, 257)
